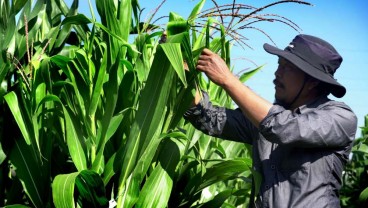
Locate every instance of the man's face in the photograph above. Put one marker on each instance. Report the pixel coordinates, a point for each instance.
(288, 81)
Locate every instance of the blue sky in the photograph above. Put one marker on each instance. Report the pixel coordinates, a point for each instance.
(343, 23)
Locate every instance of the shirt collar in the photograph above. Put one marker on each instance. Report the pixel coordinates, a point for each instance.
(312, 104)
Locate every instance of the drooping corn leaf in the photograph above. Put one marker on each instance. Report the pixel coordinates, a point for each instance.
(63, 190)
(157, 189)
(74, 141)
(91, 189)
(173, 53)
(176, 24)
(225, 169)
(76, 19)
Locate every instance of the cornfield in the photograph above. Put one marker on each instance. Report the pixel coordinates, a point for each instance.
(91, 111)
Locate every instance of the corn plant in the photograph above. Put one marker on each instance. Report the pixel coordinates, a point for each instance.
(354, 191)
(88, 118)
(31, 136)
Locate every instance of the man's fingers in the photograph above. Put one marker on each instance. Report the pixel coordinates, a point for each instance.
(200, 67)
(206, 51)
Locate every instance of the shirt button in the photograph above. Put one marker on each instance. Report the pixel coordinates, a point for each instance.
(267, 186)
(273, 167)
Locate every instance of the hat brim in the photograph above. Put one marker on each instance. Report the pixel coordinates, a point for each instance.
(336, 88)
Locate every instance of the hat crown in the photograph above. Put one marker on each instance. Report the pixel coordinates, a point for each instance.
(317, 52)
(315, 57)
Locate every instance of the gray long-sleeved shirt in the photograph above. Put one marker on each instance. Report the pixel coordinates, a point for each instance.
(300, 153)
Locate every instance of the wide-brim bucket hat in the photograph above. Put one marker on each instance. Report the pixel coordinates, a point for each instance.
(314, 56)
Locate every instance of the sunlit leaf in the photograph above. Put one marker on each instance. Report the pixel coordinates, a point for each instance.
(248, 74)
(12, 100)
(63, 190)
(363, 197)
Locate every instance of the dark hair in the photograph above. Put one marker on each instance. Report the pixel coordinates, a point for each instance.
(324, 88)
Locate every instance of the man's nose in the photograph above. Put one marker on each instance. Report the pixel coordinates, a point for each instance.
(279, 71)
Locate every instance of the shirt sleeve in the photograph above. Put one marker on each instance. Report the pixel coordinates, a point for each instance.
(332, 125)
(220, 122)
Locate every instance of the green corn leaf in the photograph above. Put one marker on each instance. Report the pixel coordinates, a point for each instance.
(225, 170)
(2, 155)
(66, 29)
(361, 148)
(122, 41)
(81, 63)
(60, 60)
(196, 10)
(125, 16)
(63, 190)
(114, 16)
(208, 36)
(176, 24)
(127, 91)
(29, 171)
(91, 189)
(9, 31)
(16, 206)
(115, 123)
(227, 52)
(76, 20)
(202, 38)
(109, 169)
(18, 5)
(183, 40)
(245, 76)
(363, 197)
(173, 52)
(98, 86)
(157, 189)
(204, 145)
(149, 114)
(76, 82)
(111, 99)
(215, 45)
(218, 200)
(40, 93)
(135, 180)
(74, 141)
(12, 101)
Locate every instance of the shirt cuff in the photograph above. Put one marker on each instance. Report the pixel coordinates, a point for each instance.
(197, 109)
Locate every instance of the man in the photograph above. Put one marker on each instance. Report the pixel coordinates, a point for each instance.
(302, 141)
